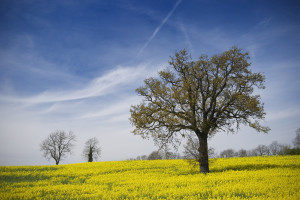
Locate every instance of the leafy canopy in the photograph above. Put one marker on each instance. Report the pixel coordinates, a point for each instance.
(204, 96)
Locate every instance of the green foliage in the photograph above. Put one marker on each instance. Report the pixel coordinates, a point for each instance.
(208, 94)
(92, 150)
(295, 151)
(203, 97)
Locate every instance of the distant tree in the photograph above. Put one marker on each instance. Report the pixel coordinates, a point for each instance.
(252, 152)
(275, 148)
(293, 151)
(242, 153)
(284, 149)
(171, 155)
(91, 150)
(155, 155)
(227, 153)
(57, 145)
(142, 157)
(211, 152)
(262, 150)
(297, 139)
(287, 150)
(202, 97)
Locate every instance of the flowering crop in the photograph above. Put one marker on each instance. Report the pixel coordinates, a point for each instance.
(275, 177)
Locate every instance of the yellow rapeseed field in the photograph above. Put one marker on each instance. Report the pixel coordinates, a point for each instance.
(274, 177)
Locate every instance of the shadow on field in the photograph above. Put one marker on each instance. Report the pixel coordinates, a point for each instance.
(244, 167)
(25, 174)
(248, 167)
(252, 167)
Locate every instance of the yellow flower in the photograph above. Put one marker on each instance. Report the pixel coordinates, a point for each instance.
(275, 177)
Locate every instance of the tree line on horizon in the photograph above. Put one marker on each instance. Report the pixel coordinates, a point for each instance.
(191, 151)
(58, 144)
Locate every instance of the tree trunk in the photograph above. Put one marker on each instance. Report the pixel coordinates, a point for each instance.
(90, 155)
(203, 152)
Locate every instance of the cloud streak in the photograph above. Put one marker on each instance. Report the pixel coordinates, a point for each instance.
(118, 107)
(97, 87)
(160, 26)
(293, 112)
(186, 36)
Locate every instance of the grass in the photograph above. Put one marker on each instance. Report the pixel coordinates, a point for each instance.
(274, 177)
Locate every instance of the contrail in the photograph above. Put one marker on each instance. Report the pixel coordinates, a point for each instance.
(159, 27)
(187, 38)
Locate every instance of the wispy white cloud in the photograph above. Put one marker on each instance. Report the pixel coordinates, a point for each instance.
(160, 26)
(283, 114)
(116, 108)
(97, 87)
(263, 23)
(186, 36)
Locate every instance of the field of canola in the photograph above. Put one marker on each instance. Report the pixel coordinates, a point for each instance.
(232, 178)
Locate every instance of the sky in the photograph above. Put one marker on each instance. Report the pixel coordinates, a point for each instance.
(74, 66)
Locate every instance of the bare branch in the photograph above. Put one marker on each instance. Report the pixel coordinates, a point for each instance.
(57, 145)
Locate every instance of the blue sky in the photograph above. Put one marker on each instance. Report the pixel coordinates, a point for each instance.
(75, 65)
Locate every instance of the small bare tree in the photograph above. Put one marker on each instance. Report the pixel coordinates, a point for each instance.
(242, 153)
(275, 148)
(91, 150)
(228, 153)
(155, 155)
(57, 145)
(262, 150)
(142, 157)
(168, 155)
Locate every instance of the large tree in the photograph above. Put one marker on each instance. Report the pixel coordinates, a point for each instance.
(92, 150)
(57, 145)
(204, 96)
